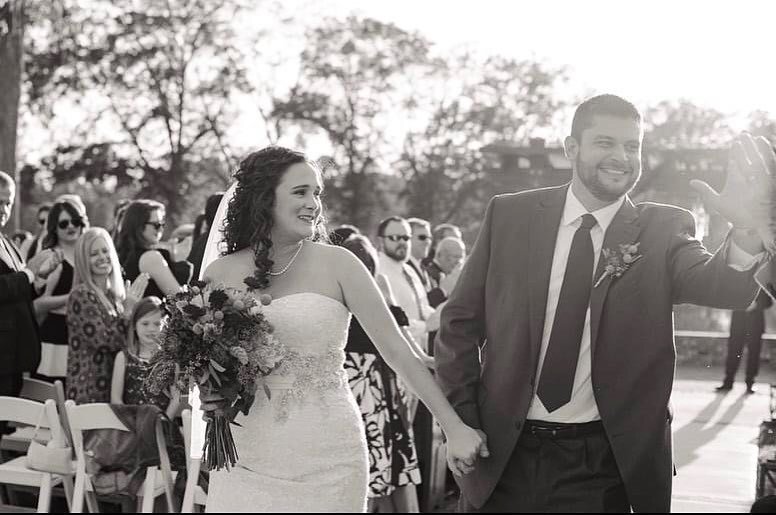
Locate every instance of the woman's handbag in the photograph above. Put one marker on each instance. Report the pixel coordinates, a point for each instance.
(47, 457)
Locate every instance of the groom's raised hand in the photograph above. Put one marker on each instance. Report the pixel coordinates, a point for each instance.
(747, 200)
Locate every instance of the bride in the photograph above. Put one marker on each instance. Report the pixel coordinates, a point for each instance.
(304, 449)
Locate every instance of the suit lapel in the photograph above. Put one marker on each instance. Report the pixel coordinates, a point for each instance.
(624, 228)
(9, 254)
(543, 233)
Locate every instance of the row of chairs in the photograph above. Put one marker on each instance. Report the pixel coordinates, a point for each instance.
(63, 422)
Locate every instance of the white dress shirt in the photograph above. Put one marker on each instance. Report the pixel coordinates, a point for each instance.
(409, 294)
(582, 406)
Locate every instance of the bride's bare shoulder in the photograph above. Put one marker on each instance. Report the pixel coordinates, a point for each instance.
(223, 267)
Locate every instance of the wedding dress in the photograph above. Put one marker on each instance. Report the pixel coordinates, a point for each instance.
(303, 449)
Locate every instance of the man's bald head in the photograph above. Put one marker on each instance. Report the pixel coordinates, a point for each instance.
(450, 253)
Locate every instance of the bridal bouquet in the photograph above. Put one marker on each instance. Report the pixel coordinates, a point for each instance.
(219, 339)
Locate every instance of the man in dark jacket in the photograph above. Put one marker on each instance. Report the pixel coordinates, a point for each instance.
(19, 339)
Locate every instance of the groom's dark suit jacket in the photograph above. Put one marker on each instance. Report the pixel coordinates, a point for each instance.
(488, 345)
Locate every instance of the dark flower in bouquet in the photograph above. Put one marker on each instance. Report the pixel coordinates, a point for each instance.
(219, 339)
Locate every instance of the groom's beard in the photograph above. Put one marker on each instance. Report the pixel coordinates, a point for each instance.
(589, 175)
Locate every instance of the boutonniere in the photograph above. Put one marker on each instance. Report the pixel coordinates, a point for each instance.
(618, 262)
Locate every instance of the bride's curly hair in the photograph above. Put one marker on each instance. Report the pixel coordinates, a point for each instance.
(249, 218)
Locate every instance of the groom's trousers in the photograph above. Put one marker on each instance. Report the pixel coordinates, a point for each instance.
(559, 468)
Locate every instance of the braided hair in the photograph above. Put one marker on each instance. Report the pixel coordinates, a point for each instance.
(249, 218)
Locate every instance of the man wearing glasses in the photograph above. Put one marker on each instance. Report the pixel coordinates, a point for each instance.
(33, 247)
(421, 244)
(395, 237)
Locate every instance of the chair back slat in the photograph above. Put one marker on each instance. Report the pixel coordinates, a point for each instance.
(37, 390)
(22, 411)
(93, 416)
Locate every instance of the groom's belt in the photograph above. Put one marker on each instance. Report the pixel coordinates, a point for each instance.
(557, 430)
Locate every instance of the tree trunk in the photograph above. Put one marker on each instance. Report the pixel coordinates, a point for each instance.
(11, 64)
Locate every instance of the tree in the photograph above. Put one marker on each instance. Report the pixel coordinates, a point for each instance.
(353, 76)
(161, 75)
(11, 64)
(467, 103)
(682, 141)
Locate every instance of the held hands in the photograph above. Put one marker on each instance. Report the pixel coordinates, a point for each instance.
(746, 201)
(464, 446)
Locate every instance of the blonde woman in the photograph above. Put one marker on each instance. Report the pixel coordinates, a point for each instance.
(97, 316)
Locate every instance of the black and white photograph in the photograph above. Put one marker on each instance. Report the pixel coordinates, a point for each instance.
(357, 256)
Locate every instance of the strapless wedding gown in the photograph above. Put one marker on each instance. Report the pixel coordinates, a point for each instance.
(304, 449)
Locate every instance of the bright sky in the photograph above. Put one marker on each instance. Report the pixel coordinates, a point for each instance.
(717, 54)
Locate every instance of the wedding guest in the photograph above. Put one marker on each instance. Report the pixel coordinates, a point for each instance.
(141, 231)
(746, 331)
(393, 467)
(118, 215)
(419, 249)
(97, 311)
(342, 233)
(394, 236)
(441, 232)
(65, 225)
(449, 258)
(32, 247)
(19, 333)
(132, 365)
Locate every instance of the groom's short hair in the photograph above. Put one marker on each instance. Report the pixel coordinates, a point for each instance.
(607, 105)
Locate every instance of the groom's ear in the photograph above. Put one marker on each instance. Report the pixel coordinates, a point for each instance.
(571, 146)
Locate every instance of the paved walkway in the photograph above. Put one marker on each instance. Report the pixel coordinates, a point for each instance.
(715, 442)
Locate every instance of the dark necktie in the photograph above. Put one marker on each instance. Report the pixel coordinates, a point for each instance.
(560, 361)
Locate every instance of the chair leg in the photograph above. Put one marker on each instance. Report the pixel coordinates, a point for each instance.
(191, 486)
(91, 497)
(44, 495)
(78, 493)
(148, 491)
(67, 486)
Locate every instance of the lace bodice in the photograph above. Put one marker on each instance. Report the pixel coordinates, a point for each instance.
(314, 329)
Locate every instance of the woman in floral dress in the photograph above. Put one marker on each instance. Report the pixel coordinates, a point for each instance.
(96, 316)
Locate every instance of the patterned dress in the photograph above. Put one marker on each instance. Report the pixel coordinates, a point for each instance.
(135, 383)
(96, 335)
(392, 458)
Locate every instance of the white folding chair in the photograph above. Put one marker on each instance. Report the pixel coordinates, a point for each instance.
(15, 471)
(34, 390)
(100, 416)
(194, 494)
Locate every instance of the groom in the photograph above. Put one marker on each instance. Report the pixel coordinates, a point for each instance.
(557, 342)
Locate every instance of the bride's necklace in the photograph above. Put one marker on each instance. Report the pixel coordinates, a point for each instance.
(290, 261)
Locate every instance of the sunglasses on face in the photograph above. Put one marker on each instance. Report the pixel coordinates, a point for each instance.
(423, 237)
(42, 221)
(397, 237)
(157, 225)
(77, 223)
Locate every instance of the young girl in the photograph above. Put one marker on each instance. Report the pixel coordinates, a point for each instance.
(132, 365)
